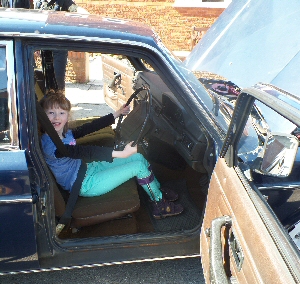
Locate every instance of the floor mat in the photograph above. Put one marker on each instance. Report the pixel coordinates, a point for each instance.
(187, 220)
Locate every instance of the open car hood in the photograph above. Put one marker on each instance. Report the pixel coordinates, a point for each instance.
(253, 41)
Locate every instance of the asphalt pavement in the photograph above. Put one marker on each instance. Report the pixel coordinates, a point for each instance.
(180, 271)
(87, 99)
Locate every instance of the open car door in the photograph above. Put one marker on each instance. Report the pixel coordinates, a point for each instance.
(244, 236)
(19, 201)
(118, 79)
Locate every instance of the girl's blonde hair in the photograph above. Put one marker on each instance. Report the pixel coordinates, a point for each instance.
(56, 99)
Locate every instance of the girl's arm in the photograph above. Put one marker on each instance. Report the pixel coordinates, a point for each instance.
(99, 123)
(95, 153)
(87, 153)
(93, 126)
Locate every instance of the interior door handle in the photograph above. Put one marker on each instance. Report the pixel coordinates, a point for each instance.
(217, 271)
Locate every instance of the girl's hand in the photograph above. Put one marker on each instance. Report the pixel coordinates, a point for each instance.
(128, 151)
(124, 110)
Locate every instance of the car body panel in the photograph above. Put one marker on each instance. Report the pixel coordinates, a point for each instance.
(31, 31)
(36, 23)
(251, 42)
(18, 245)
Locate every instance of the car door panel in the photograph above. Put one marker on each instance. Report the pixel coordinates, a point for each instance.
(261, 261)
(118, 77)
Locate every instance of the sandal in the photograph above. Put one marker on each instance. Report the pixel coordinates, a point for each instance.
(165, 208)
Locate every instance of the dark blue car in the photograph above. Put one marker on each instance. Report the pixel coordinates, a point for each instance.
(228, 148)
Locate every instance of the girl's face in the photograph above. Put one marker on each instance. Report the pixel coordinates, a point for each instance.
(58, 117)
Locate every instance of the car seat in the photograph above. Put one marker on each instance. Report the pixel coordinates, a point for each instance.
(88, 211)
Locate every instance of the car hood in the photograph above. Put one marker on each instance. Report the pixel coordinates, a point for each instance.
(253, 41)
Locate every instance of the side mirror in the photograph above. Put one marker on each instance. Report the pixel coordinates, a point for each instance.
(278, 155)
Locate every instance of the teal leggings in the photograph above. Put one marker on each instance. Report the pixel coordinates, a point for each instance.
(102, 177)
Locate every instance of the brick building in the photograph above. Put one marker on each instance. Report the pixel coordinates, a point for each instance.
(179, 23)
(171, 19)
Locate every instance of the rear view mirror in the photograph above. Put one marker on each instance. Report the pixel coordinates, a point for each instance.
(278, 155)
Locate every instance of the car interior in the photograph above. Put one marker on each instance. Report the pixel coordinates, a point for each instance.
(169, 139)
(166, 136)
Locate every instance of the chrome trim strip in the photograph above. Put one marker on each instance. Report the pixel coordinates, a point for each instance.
(15, 199)
(74, 38)
(98, 264)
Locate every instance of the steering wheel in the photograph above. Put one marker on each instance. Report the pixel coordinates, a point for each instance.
(120, 142)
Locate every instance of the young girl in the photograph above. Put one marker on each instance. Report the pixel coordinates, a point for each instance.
(106, 168)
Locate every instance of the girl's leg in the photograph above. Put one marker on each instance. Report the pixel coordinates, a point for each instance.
(60, 59)
(103, 177)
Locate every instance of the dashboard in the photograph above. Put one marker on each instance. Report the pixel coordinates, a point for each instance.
(172, 123)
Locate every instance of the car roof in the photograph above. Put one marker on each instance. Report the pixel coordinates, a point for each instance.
(253, 41)
(37, 24)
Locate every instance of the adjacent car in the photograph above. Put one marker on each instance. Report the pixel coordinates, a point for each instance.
(229, 151)
(250, 230)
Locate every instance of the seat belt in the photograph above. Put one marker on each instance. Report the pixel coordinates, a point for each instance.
(47, 125)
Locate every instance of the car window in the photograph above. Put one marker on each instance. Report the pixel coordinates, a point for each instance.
(4, 110)
(262, 121)
(113, 74)
(281, 193)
